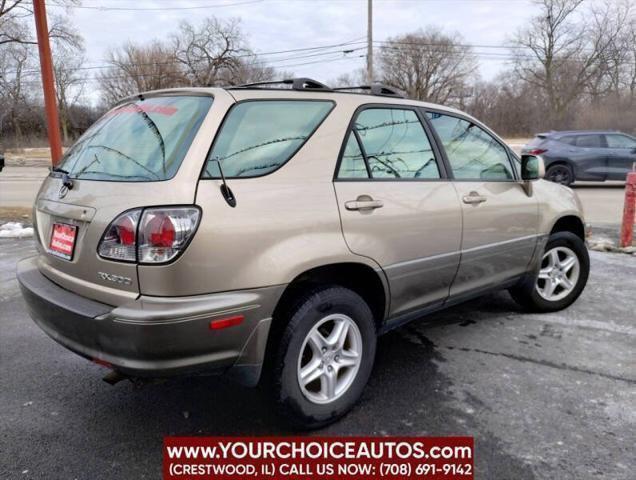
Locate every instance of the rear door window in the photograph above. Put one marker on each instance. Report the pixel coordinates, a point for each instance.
(259, 136)
(473, 153)
(353, 164)
(568, 140)
(589, 141)
(393, 145)
(138, 141)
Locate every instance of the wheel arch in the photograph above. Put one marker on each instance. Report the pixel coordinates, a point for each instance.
(369, 283)
(569, 223)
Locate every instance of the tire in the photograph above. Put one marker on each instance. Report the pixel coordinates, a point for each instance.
(560, 173)
(321, 311)
(533, 293)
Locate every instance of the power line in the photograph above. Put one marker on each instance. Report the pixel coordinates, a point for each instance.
(258, 55)
(141, 9)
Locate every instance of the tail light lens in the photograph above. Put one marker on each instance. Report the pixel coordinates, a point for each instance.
(120, 240)
(164, 233)
(536, 151)
(150, 235)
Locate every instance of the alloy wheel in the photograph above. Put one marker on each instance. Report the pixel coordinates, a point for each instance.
(560, 174)
(559, 274)
(329, 358)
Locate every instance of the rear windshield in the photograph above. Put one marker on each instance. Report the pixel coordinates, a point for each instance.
(138, 141)
(536, 141)
(259, 136)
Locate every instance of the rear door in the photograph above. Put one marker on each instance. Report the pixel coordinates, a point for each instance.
(590, 157)
(397, 206)
(500, 220)
(621, 153)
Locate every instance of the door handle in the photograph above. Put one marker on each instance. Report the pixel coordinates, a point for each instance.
(364, 204)
(474, 198)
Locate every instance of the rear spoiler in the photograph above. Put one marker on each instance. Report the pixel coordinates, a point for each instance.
(543, 135)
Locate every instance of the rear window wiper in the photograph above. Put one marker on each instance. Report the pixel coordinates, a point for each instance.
(66, 179)
(58, 170)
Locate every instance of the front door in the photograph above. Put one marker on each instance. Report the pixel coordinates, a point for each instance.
(397, 207)
(500, 220)
(621, 151)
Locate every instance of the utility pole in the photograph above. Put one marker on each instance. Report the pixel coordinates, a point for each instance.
(370, 41)
(48, 81)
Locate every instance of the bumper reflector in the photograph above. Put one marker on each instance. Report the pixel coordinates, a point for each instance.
(226, 322)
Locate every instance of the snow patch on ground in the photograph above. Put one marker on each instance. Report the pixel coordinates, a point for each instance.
(15, 230)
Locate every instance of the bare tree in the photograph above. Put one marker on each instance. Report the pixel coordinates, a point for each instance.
(69, 83)
(351, 79)
(15, 61)
(566, 52)
(136, 68)
(211, 53)
(428, 65)
(630, 63)
(15, 24)
(249, 70)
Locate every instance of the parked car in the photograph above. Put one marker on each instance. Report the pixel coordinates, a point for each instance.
(584, 155)
(1, 162)
(266, 232)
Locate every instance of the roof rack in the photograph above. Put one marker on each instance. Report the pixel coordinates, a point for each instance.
(310, 84)
(296, 83)
(376, 89)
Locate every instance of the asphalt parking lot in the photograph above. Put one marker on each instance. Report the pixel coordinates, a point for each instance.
(545, 396)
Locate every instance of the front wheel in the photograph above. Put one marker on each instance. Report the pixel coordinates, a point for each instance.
(324, 357)
(563, 274)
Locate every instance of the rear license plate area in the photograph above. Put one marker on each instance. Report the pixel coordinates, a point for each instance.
(62, 242)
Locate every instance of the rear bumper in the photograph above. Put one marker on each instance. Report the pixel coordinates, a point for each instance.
(155, 336)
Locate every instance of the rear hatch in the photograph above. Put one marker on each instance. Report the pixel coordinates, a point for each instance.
(145, 152)
(534, 146)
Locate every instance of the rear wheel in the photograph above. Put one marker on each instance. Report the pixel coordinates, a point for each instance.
(563, 274)
(325, 357)
(560, 173)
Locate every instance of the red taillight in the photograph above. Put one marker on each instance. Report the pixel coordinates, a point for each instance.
(120, 240)
(536, 151)
(161, 231)
(126, 230)
(149, 235)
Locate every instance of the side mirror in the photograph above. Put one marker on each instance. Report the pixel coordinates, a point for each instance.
(532, 168)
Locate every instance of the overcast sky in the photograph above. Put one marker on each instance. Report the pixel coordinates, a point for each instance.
(274, 25)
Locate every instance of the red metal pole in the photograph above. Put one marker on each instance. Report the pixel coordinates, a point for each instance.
(629, 211)
(48, 81)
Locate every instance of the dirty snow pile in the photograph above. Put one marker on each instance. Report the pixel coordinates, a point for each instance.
(15, 230)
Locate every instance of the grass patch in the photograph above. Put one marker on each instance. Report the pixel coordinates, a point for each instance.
(16, 214)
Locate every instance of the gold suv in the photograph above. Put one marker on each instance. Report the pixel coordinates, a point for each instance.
(221, 230)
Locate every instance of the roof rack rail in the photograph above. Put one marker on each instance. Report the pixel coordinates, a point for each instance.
(301, 83)
(376, 89)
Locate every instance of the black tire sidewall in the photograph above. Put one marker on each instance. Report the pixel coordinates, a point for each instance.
(566, 167)
(315, 307)
(574, 243)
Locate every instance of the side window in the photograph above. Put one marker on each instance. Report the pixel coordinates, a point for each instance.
(394, 145)
(353, 164)
(568, 139)
(257, 137)
(589, 141)
(473, 154)
(620, 141)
